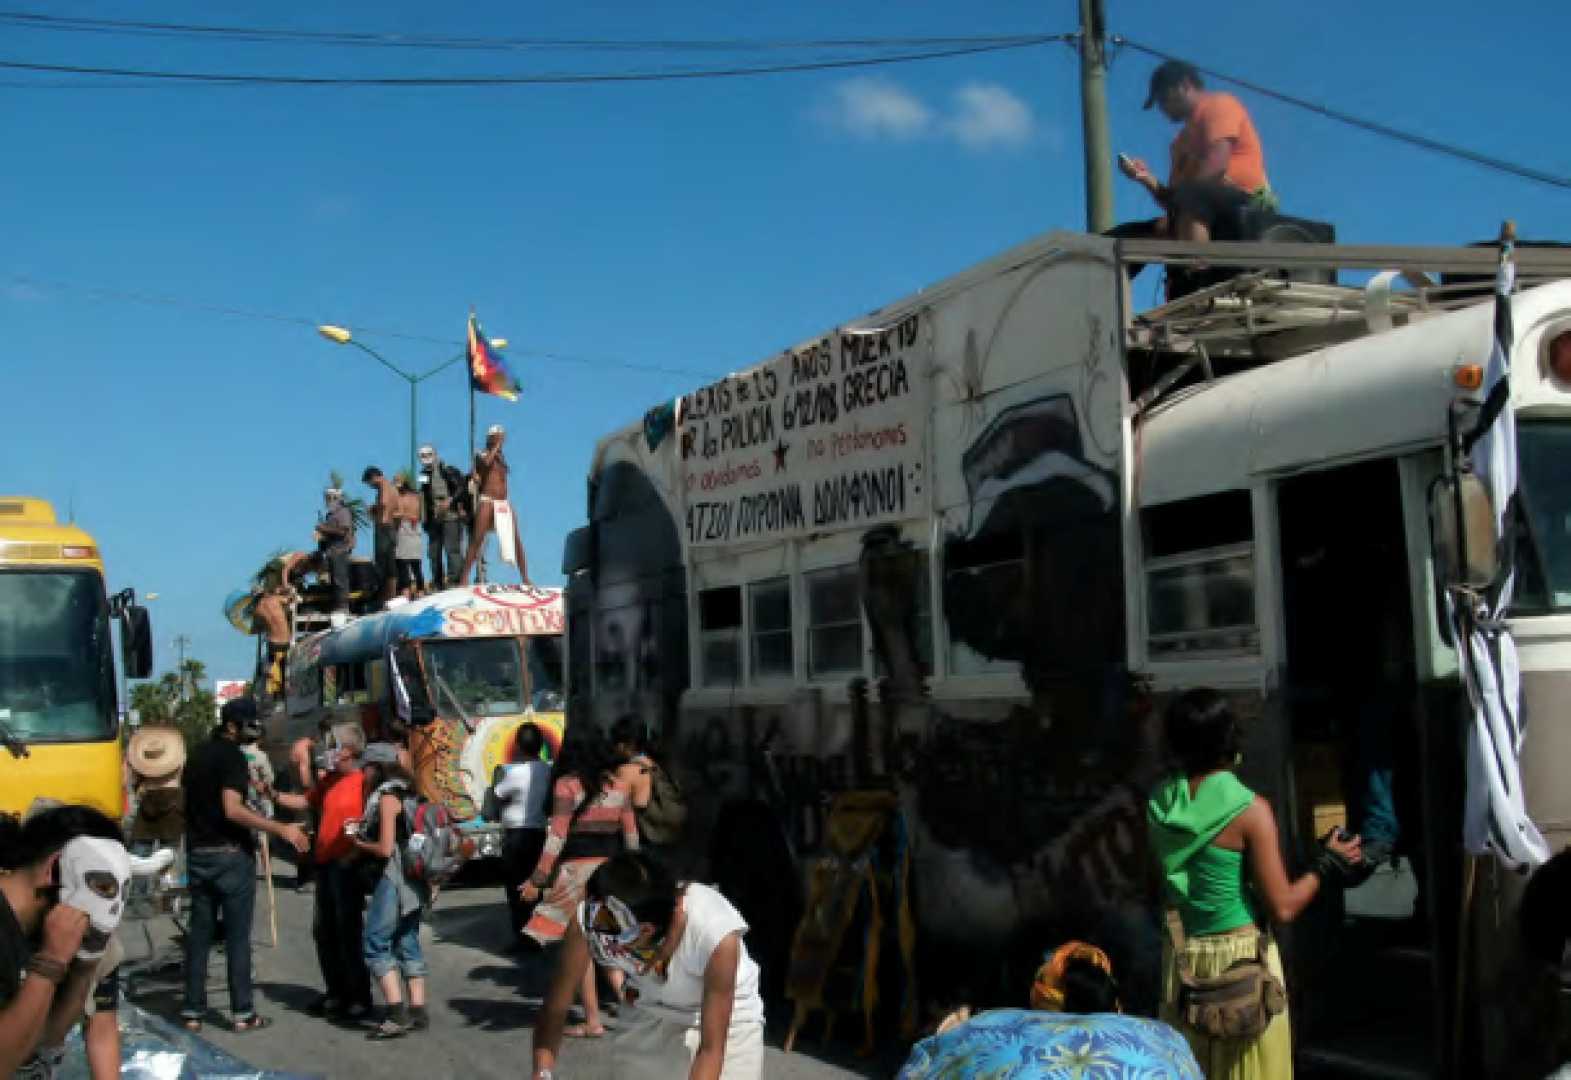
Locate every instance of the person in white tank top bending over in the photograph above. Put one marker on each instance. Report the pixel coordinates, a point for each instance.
(696, 1007)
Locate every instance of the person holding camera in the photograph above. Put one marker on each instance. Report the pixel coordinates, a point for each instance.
(1215, 838)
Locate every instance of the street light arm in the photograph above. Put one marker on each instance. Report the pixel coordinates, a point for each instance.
(380, 359)
(441, 367)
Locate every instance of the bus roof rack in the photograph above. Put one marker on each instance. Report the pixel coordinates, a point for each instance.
(1259, 313)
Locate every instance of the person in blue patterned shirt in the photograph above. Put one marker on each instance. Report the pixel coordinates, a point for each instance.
(1074, 1029)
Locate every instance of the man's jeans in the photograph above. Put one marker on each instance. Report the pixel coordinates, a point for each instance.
(338, 926)
(338, 567)
(220, 880)
(392, 941)
(445, 551)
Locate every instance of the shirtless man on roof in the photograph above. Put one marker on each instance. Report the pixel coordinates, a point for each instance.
(493, 512)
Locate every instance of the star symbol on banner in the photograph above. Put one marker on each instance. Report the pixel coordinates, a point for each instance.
(780, 455)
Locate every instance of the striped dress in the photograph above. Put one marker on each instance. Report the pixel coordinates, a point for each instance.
(579, 844)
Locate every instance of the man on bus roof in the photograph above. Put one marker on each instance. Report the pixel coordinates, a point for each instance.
(1217, 163)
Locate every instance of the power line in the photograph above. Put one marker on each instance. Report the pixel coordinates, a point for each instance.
(537, 79)
(514, 348)
(1374, 127)
(362, 39)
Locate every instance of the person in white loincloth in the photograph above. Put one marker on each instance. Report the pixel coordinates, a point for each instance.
(493, 511)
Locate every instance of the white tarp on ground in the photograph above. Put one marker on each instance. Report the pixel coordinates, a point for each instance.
(153, 1049)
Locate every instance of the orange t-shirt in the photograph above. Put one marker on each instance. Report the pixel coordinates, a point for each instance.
(1219, 116)
(336, 798)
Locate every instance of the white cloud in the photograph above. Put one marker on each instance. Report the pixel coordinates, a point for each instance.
(987, 115)
(980, 116)
(24, 291)
(877, 109)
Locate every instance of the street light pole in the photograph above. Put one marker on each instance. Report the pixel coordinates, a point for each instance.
(181, 643)
(339, 335)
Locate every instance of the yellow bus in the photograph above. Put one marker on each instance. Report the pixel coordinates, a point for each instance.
(59, 705)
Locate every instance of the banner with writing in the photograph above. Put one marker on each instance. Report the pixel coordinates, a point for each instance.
(831, 436)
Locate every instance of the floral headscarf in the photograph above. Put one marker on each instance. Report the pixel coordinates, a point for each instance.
(1047, 992)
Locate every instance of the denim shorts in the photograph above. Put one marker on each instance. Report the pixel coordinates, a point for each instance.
(392, 941)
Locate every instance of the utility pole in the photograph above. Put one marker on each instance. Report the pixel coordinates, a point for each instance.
(181, 643)
(1093, 115)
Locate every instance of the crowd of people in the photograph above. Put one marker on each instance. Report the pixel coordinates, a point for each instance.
(441, 502)
(582, 879)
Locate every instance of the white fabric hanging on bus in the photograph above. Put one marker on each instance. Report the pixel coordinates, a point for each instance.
(1495, 817)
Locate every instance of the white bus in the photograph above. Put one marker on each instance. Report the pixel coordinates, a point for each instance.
(967, 547)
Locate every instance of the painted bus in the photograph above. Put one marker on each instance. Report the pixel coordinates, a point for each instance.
(968, 546)
(451, 677)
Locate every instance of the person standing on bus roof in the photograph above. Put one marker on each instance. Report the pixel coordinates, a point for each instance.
(335, 536)
(1218, 166)
(493, 511)
(221, 864)
(384, 518)
(441, 486)
(1212, 835)
(407, 546)
(271, 620)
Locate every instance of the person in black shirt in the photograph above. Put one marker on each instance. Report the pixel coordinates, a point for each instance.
(42, 990)
(220, 864)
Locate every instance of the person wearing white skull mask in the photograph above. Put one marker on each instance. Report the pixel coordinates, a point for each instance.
(52, 932)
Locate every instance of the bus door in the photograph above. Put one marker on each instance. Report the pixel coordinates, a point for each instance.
(1365, 974)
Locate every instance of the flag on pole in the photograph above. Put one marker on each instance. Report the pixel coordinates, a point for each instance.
(487, 373)
(1495, 817)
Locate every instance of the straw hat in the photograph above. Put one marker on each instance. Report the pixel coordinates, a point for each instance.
(156, 753)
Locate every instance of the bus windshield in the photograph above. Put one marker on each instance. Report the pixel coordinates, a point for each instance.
(476, 676)
(1543, 555)
(57, 676)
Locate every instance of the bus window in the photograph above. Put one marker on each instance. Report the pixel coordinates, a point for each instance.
(1543, 555)
(834, 622)
(1200, 577)
(771, 628)
(720, 636)
(476, 677)
(544, 655)
(923, 616)
(351, 684)
(57, 680)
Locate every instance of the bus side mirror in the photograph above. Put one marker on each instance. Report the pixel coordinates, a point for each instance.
(578, 551)
(1463, 519)
(136, 642)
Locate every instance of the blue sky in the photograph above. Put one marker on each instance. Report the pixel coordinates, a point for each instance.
(605, 230)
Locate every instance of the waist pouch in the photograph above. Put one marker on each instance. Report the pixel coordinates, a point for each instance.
(1239, 1003)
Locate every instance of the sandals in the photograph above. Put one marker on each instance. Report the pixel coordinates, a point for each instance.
(390, 1029)
(255, 1022)
(583, 1031)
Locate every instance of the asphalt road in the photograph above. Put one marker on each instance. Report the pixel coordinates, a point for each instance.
(483, 1003)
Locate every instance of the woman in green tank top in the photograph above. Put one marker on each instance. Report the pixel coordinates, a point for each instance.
(1222, 868)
